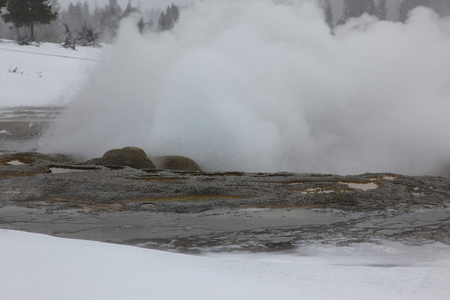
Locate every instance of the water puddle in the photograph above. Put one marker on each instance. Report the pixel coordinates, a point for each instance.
(229, 220)
(66, 170)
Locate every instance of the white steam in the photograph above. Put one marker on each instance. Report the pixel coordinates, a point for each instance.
(264, 86)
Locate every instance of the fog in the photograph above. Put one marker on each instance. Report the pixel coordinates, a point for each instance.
(264, 86)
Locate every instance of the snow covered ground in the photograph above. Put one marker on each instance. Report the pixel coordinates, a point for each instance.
(36, 266)
(44, 75)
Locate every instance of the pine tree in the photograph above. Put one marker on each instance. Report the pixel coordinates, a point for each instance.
(51, 32)
(443, 8)
(175, 12)
(129, 10)
(110, 20)
(328, 15)
(75, 15)
(167, 20)
(408, 5)
(85, 10)
(25, 13)
(55, 5)
(382, 10)
(356, 8)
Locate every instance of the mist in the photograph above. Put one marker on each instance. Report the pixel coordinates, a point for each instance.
(265, 86)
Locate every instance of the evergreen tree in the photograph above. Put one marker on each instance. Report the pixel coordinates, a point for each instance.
(175, 12)
(167, 20)
(163, 23)
(136, 12)
(51, 32)
(141, 25)
(129, 10)
(26, 13)
(85, 11)
(408, 5)
(328, 15)
(110, 20)
(74, 16)
(56, 7)
(96, 17)
(356, 8)
(382, 10)
(443, 7)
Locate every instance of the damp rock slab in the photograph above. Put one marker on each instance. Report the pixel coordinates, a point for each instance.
(194, 211)
(62, 182)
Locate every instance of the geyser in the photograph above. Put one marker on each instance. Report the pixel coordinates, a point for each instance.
(264, 86)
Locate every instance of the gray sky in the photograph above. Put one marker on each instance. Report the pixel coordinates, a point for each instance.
(145, 4)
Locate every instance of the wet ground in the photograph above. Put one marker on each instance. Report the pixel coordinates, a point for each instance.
(21, 127)
(201, 211)
(254, 230)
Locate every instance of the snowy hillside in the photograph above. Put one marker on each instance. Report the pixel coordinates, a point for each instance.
(47, 74)
(41, 267)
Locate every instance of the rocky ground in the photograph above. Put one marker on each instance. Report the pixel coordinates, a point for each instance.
(195, 211)
(201, 211)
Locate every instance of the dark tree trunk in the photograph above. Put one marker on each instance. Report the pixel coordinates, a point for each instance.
(18, 33)
(32, 31)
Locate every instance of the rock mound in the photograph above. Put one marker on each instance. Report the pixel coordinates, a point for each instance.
(175, 162)
(133, 157)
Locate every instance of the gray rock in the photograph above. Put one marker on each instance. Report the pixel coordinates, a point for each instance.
(188, 211)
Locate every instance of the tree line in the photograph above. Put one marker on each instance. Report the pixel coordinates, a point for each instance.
(379, 9)
(30, 21)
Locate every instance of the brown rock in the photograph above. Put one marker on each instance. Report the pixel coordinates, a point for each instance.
(174, 162)
(133, 157)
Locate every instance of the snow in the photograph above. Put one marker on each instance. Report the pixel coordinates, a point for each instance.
(47, 74)
(37, 266)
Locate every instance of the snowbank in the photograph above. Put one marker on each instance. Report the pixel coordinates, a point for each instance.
(41, 267)
(44, 75)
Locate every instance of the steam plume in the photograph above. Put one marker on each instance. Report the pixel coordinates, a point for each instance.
(264, 86)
